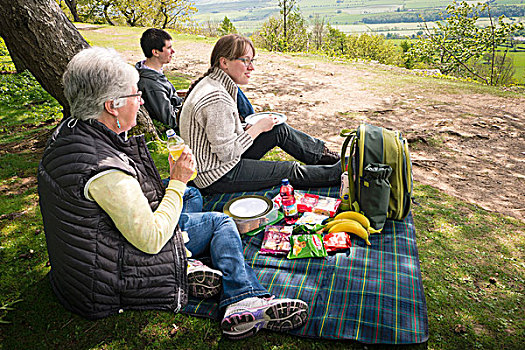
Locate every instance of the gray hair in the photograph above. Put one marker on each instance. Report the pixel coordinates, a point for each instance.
(94, 76)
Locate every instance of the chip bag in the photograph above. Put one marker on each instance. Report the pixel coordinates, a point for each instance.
(307, 229)
(307, 246)
(336, 241)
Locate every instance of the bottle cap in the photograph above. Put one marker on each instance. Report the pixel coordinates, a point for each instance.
(170, 133)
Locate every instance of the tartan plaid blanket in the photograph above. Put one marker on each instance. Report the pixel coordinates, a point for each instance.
(372, 294)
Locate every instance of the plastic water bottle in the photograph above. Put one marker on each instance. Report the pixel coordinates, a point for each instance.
(176, 146)
(288, 201)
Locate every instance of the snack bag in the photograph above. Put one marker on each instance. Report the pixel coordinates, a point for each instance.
(306, 201)
(311, 219)
(307, 229)
(336, 241)
(327, 206)
(277, 200)
(307, 246)
(276, 240)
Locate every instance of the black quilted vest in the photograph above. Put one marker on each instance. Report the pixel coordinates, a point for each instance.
(95, 271)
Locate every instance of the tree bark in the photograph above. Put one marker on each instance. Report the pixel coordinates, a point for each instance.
(106, 14)
(72, 5)
(40, 38)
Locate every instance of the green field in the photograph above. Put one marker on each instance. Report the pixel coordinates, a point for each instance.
(346, 15)
(518, 59)
(519, 64)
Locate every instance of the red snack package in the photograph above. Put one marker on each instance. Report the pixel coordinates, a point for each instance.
(307, 202)
(276, 240)
(336, 241)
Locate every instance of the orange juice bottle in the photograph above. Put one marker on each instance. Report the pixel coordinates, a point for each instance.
(176, 146)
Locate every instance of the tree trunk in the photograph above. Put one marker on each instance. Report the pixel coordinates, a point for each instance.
(19, 65)
(165, 23)
(72, 5)
(40, 36)
(106, 14)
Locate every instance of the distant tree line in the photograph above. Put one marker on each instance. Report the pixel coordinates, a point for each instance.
(457, 46)
(411, 16)
(293, 33)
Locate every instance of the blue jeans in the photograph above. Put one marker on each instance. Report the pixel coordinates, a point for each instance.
(215, 235)
(192, 200)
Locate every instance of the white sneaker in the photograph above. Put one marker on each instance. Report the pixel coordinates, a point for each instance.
(246, 317)
(203, 282)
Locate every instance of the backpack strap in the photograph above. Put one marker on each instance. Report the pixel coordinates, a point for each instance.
(351, 138)
(349, 134)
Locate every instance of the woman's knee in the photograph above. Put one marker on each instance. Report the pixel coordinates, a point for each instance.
(192, 200)
(282, 128)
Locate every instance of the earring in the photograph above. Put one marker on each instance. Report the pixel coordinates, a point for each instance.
(118, 124)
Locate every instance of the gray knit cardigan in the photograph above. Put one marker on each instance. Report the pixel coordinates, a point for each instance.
(210, 125)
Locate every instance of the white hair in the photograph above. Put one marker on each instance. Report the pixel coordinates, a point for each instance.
(94, 76)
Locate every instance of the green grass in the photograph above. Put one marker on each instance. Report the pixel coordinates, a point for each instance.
(472, 261)
(519, 64)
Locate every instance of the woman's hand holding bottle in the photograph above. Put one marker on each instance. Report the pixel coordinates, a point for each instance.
(181, 159)
(183, 168)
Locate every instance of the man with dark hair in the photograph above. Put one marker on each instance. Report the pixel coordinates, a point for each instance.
(160, 97)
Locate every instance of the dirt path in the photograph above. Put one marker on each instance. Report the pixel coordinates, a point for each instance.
(470, 145)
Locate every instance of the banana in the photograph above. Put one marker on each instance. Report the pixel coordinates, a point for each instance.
(351, 226)
(332, 223)
(353, 215)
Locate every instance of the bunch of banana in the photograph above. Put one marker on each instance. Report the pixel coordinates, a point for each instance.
(353, 222)
(353, 215)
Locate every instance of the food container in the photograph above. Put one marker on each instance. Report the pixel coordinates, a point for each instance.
(251, 212)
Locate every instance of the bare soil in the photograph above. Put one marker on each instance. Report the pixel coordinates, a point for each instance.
(467, 143)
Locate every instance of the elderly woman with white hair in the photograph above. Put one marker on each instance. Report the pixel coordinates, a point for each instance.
(115, 233)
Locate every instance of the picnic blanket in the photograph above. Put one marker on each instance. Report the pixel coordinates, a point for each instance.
(372, 294)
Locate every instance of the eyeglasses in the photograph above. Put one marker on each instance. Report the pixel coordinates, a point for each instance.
(247, 61)
(138, 95)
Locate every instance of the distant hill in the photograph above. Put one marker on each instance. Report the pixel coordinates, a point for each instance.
(383, 16)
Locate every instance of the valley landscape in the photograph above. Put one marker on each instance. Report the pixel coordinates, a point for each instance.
(350, 16)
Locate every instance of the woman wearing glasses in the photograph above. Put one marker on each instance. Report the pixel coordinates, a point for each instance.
(228, 154)
(115, 234)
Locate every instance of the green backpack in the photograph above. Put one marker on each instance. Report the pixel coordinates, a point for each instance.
(379, 173)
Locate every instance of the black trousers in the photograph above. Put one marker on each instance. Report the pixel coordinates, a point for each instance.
(253, 174)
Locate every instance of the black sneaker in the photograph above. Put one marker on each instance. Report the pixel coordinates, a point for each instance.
(328, 157)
